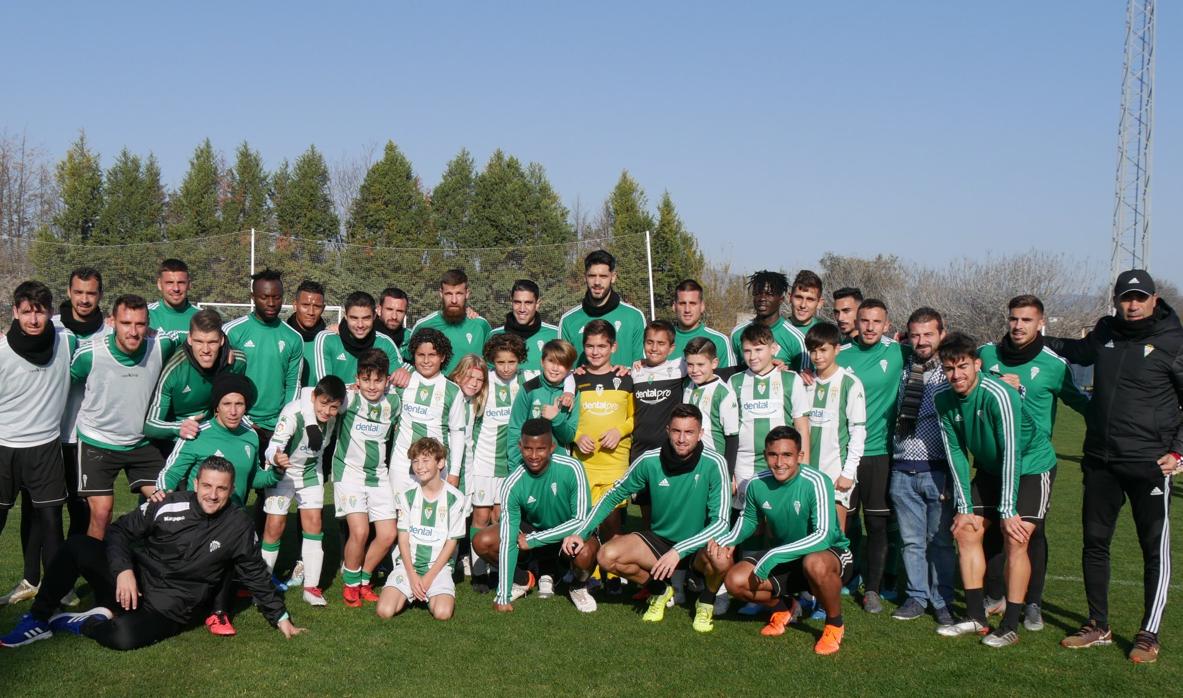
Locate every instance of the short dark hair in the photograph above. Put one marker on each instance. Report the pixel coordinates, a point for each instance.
(86, 274)
(505, 342)
(783, 432)
(371, 361)
(926, 314)
(218, 464)
(359, 299)
(172, 264)
(525, 285)
(661, 326)
(684, 410)
(393, 292)
(956, 346)
(757, 333)
(35, 294)
(776, 282)
(438, 341)
(130, 301)
(822, 333)
(807, 279)
(871, 303)
(267, 274)
(205, 320)
(849, 292)
(331, 387)
(599, 257)
(599, 328)
(310, 286)
(701, 346)
(454, 277)
(1026, 301)
(688, 285)
(536, 426)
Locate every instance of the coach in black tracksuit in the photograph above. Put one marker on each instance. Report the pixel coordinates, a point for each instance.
(1132, 444)
(184, 545)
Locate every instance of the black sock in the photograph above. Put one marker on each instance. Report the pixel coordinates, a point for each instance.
(521, 576)
(656, 587)
(707, 596)
(975, 605)
(835, 621)
(1037, 553)
(1010, 617)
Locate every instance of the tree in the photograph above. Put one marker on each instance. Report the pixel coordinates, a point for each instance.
(390, 209)
(133, 205)
(675, 255)
(80, 180)
(452, 201)
(248, 205)
(194, 209)
(306, 209)
(627, 220)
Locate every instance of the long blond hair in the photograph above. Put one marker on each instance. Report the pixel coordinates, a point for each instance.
(463, 366)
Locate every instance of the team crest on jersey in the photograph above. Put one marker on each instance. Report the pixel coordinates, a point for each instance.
(502, 394)
(617, 323)
(186, 390)
(540, 343)
(883, 365)
(1034, 372)
(797, 506)
(1146, 349)
(821, 392)
(599, 389)
(536, 409)
(375, 413)
(554, 488)
(247, 448)
(616, 383)
(282, 345)
(214, 545)
(761, 387)
(424, 395)
(468, 336)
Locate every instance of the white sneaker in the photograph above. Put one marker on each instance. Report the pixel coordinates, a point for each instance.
(23, 591)
(546, 586)
(965, 627)
(583, 600)
(466, 565)
(314, 597)
(517, 591)
(297, 578)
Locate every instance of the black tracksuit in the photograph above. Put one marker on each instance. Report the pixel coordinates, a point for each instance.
(180, 556)
(1133, 420)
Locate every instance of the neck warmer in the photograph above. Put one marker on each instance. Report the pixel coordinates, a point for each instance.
(673, 464)
(306, 335)
(82, 328)
(1135, 330)
(512, 326)
(352, 344)
(594, 311)
(35, 348)
(1010, 355)
(396, 336)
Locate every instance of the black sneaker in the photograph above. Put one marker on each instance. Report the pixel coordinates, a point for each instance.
(480, 583)
(911, 610)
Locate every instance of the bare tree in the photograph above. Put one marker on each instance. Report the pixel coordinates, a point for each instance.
(347, 173)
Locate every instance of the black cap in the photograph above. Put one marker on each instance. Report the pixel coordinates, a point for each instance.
(227, 383)
(1133, 280)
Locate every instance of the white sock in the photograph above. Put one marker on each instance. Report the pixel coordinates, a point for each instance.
(269, 557)
(312, 552)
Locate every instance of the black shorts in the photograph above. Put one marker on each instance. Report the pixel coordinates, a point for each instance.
(789, 578)
(98, 468)
(660, 546)
(37, 470)
(1032, 503)
(870, 490)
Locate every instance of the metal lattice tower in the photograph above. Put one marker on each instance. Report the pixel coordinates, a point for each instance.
(1131, 209)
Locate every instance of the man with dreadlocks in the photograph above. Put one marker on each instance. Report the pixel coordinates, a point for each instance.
(768, 294)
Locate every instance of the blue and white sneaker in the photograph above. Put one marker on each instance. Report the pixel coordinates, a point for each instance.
(72, 622)
(28, 629)
(280, 585)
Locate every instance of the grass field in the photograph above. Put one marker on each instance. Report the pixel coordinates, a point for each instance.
(546, 647)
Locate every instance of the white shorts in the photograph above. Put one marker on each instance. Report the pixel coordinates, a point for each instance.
(278, 499)
(377, 501)
(741, 494)
(483, 491)
(442, 584)
(834, 473)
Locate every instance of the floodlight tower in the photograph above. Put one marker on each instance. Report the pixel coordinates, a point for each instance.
(1131, 208)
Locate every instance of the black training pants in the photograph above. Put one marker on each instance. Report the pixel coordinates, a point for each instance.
(83, 556)
(1106, 487)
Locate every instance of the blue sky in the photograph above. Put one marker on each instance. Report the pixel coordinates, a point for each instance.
(782, 130)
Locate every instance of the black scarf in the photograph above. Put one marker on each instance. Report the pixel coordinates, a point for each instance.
(352, 344)
(594, 311)
(35, 348)
(306, 335)
(512, 326)
(1010, 355)
(1137, 330)
(673, 464)
(221, 363)
(82, 328)
(913, 390)
(396, 336)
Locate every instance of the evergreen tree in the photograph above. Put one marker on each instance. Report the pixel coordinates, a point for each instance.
(390, 209)
(133, 203)
(452, 201)
(248, 205)
(627, 220)
(194, 209)
(553, 249)
(80, 181)
(675, 255)
(153, 198)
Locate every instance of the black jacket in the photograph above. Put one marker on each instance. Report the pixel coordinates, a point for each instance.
(180, 555)
(1137, 386)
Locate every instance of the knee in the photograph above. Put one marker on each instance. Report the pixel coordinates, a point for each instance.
(442, 611)
(486, 543)
(112, 636)
(737, 581)
(815, 565)
(607, 557)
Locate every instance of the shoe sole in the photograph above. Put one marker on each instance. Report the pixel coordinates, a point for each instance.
(895, 617)
(1094, 643)
(42, 636)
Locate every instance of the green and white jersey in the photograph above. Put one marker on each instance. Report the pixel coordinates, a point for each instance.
(723, 350)
(432, 407)
(184, 391)
(532, 366)
(32, 396)
(1044, 378)
(790, 343)
(240, 446)
(162, 316)
(291, 437)
(720, 410)
(535, 393)
(275, 357)
(630, 331)
(879, 367)
(332, 358)
(772, 400)
(489, 441)
(69, 425)
(360, 455)
(430, 523)
(837, 423)
(119, 388)
(467, 336)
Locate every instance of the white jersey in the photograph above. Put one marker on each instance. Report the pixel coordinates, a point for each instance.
(117, 396)
(432, 407)
(720, 411)
(837, 423)
(32, 397)
(489, 440)
(360, 455)
(291, 437)
(430, 523)
(771, 400)
(69, 425)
